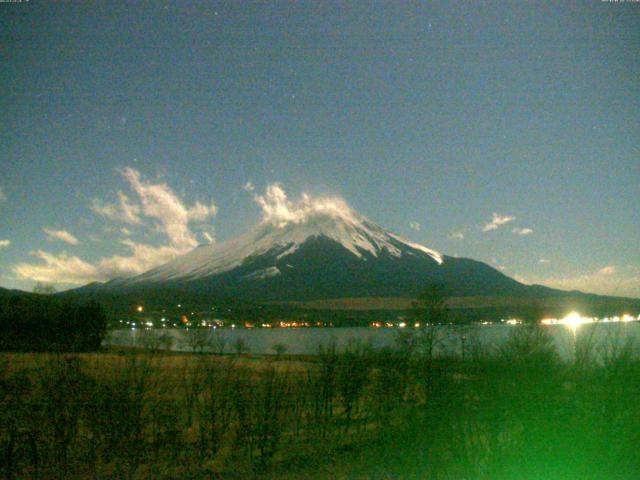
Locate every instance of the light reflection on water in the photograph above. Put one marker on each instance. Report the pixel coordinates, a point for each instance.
(308, 340)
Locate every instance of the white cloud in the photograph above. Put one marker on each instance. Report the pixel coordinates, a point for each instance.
(202, 212)
(57, 269)
(543, 260)
(208, 237)
(154, 201)
(497, 221)
(73, 270)
(130, 212)
(497, 264)
(522, 231)
(143, 257)
(414, 226)
(123, 211)
(62, 235)
(279, 210)
(249, 187)
(160, 202)
(5, 243)
(107, 210)
(456, 236)
(608, 270)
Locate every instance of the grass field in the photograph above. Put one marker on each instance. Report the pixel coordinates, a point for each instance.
(516, 412)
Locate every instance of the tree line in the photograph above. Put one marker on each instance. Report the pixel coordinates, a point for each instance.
(42, 323)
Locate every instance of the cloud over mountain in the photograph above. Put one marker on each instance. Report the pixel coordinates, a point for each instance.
(150, 207)
(497, 221)
(62, 268)
(122, 211)
(279, 210)
(62, 235)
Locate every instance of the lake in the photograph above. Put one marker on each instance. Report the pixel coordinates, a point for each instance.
(453, 339)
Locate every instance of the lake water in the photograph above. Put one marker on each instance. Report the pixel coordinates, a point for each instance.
(309, 340)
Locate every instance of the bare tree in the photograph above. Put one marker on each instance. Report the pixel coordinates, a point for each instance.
(198, 339)
(431, 305)
(219, 342)
(150, 340)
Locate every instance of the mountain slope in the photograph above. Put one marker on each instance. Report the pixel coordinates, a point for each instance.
(329, 253)
(354, 233)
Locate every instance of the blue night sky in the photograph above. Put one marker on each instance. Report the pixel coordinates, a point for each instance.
(508, 132)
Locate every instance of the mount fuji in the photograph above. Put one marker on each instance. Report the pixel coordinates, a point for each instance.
(321, 250)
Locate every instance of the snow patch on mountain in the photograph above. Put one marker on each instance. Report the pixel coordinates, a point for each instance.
(264, 273)
(432, 253)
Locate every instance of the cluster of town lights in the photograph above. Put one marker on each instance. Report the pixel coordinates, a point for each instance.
(574, 320)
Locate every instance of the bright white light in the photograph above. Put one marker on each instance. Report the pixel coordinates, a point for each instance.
(574, 320)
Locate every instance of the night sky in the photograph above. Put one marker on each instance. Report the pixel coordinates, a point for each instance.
(508, 132)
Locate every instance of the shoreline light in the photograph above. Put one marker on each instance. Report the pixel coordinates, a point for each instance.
(573, 320)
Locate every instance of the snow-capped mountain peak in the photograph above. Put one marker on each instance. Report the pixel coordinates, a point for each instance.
(283, 230)
(316, 248)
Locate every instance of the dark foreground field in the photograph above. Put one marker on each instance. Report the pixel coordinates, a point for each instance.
(513, 413)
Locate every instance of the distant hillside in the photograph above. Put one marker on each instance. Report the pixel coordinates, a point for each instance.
(5, 292)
